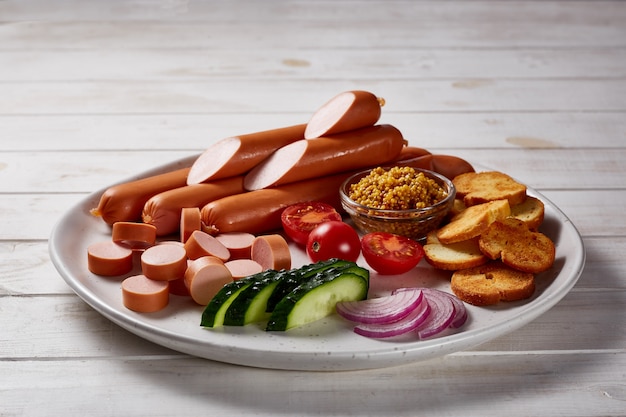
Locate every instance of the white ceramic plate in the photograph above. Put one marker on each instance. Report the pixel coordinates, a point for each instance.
(326, 345)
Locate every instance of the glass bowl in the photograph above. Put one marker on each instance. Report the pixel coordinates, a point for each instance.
(412, 223)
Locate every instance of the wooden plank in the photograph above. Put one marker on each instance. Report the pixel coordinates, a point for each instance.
(245, 96)
(26, 270)
(439, 131)
(175, 65)
(586, 383)
(309, 25)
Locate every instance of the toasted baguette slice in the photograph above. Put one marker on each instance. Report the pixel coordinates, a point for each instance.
(481, 187)
(454, 256)
(491, 283)
(531, 212)
(457, 207)
(512, 241)
(472, 221)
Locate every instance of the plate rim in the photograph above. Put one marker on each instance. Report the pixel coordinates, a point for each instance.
(388, 355)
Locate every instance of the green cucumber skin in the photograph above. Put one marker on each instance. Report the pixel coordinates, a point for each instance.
(250, 304)
(245, 308)
(214, 312)
(297, 277)
(324, 289)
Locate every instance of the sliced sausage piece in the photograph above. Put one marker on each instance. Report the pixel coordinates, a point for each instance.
(190, 221)
(202, 244)
(178, 287)
(347, 111)
(164, 262)
(164, 209)
(144, 295)
(237, 155)
(241, 268)
(271, 252)
(237, 243)
(259, 211)
(108, 258)
(205, 277)
(134, 235)
(306, 159)
(124, 202)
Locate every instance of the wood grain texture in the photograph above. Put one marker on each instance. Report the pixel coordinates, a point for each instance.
(93, 93)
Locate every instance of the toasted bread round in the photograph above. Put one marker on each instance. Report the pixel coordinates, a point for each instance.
(481, 187)
(457, 207)
(491, 283)
(531, 212)
(454, 256)
(517, 246)
(472, 221)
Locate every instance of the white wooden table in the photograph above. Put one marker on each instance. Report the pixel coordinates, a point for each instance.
(93, 92)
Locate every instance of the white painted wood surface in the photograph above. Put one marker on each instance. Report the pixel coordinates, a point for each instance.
(92, 92)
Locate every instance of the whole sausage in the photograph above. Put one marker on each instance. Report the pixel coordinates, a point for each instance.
(164, 209)
(447, 165)
(315, 158)
(347, 111)
(259, 211)
(124, 202)
(238, 154)
(410, 152)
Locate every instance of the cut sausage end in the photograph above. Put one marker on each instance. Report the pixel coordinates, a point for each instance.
(108, 258)
(347, 111)
(213, 160)
(241, 268)
(237, 243)
(271, 252)
(286, 157)
(202, 244)
(205, 277)
(141, 294)
(164, 262)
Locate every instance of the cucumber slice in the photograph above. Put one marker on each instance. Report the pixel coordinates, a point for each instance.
(250, 304)
(297, 277)
(214, 313)
(317, 297)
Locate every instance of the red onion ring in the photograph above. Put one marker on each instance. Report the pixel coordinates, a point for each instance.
(407, 324)
(442, 314)
(380, 310)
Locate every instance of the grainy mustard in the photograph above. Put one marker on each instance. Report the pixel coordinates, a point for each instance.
(396, 188)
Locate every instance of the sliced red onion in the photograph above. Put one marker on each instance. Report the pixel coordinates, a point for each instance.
(380, 310)
(417, 316)
(460, 311)
(442, 314)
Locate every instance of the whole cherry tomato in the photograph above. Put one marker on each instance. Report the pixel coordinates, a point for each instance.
(333, 239)
(390, 254)
(299, 219)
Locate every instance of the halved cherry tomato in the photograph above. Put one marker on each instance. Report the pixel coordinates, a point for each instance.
(390, 254)
(333, 239)
(299, 219)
